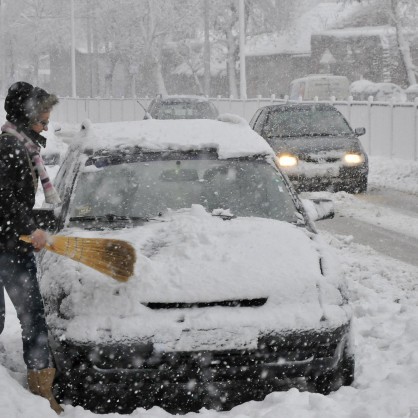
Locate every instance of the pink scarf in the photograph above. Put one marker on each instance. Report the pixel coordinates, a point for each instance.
(51, 195)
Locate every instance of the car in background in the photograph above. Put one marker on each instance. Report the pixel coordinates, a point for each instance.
(234, 292)
(319, 86)
(315, 146)
(181, 107)
(412, 92)
(380, 92)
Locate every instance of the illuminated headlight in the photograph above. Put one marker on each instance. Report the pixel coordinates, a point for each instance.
(353, 159)
(286, 160)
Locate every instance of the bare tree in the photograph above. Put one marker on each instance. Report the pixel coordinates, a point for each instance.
(402, 14)
(37, 24)
(396, 11)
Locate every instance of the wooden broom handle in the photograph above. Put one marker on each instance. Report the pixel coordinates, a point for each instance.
(26, 238)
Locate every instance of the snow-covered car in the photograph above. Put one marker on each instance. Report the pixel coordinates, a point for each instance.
(181, 107)
(319, 86)
(233, 294)
(412, 92)
(381, 92)
(315, 146)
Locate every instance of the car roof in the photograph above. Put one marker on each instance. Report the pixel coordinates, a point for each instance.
(230, 135)
(320, 77)
(298, 106)
(188, 98)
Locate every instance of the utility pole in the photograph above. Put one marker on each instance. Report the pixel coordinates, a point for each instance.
(243, 78)
(2, 49)
(206, 50)
(89, 50)
(73, 75)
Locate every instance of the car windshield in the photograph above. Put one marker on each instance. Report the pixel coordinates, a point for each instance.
(307, 121)
(146, 189)
(185, 110)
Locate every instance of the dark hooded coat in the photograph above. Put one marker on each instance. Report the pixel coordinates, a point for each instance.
(17, 190)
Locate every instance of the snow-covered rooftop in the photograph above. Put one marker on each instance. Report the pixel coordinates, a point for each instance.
(297, 40)
(360, 31)
(230, 135)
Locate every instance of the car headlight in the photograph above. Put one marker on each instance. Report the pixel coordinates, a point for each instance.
(353, 159)
(286, 160)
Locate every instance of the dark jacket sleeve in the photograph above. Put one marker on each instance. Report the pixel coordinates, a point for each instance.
(17, 194)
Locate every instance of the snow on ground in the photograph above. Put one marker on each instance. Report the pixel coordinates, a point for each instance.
(384, 295)
(396, 174)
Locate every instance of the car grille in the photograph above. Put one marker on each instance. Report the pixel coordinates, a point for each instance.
(242, 303)
(272, 349)
(318, 159)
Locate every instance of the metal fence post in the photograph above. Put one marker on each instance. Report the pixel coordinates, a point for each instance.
(349, 104)
(416, 129)
(391, 128)
(369, 121)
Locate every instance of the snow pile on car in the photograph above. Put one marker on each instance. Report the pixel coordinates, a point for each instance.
(231, 139)
(190, 256)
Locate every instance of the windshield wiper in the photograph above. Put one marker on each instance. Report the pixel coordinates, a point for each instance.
(110, 217)
(321, 134)
(224, 216)
(304, 134)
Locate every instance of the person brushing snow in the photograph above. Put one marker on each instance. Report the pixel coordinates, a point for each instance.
(28, 109)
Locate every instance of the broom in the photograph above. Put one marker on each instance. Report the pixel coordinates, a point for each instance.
(113, 257)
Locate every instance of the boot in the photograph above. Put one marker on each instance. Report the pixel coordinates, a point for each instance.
(40, 383)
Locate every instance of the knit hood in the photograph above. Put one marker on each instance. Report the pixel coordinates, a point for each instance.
(25, 102)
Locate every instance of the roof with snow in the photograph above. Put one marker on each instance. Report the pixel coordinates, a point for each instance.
(297, 40)
(230, 135)
(360, 31)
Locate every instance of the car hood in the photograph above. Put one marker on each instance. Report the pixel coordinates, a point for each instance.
(317, 144)
(192, 257)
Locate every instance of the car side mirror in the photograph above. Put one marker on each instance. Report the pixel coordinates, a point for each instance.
(45, 219)
(360, 131)
(319, 209)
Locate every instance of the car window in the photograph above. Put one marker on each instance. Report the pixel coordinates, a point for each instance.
(254, 118)
(258, 127)
(151, 107)
(147, 189)
(186, 110)
(306, 121)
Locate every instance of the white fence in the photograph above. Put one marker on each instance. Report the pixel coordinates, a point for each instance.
(391, 128)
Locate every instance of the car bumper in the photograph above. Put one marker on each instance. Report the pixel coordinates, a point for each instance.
(132, 369)
(317, 180)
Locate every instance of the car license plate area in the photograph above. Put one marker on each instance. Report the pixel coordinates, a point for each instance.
(217, 339)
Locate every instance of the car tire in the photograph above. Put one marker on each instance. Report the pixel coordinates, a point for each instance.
(332, 380)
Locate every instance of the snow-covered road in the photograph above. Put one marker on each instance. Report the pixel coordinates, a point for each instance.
(383, 219)
(384, 291)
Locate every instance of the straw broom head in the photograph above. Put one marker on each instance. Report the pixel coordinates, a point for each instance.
(115, 258)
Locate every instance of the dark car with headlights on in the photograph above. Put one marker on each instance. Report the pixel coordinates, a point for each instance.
(315, 146)
(234, 292)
